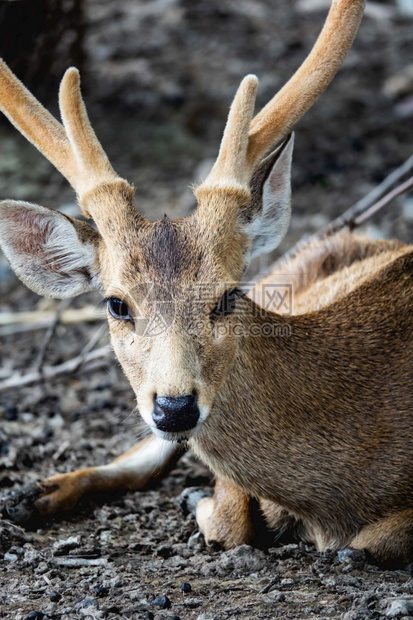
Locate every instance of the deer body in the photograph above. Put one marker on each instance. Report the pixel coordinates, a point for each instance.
(320, 422)
(314, 420)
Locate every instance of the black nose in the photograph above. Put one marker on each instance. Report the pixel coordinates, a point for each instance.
(175, 415)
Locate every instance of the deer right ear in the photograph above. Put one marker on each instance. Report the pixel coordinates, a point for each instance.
(267, 217)
(53, 254)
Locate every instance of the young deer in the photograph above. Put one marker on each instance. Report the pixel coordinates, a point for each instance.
(317, 424)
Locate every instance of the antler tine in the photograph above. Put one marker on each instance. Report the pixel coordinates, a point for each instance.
(279, 116)
(92, 164)
(229, 168)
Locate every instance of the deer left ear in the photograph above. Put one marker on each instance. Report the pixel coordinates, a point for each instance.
(267, 217)
(53, 254)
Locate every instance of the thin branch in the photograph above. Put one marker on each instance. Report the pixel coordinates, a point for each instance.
(90, 345)
(349, 217)
(94, 359)
(50, 333)
(17, 322)
(358, 213)
(397, 191)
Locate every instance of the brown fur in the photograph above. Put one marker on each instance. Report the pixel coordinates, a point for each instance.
(332, 449)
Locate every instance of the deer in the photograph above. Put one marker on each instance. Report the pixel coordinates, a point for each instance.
(313, 421)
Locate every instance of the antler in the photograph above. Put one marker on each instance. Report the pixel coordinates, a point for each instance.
(234, 144)
(279, 116)
(73, 147)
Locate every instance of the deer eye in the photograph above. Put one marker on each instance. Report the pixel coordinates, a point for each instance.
(226, 305)
(118, 309)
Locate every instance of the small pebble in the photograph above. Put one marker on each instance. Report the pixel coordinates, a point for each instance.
(149, 616)
(343, 555)
(88, 602)
(11, 413)
(162, 602)
(42, 568)
(63, 546)
(192, 603)
(101, 591)
(401, 606)
(55, 596)
(196, 541)
(287, 583)
(186, 587)
(4, 449)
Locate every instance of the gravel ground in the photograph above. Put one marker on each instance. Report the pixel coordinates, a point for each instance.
(158, 92)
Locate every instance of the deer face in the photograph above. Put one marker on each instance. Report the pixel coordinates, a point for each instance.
(170, 311)
(174, 305)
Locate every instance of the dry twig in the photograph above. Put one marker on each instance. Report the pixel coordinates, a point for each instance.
(358, 213)
(397, 191)
(50, 333)
(94, 359)
(350, 217)
(18, 322)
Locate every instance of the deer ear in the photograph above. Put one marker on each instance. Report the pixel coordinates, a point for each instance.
(53, 254)
(267, 217)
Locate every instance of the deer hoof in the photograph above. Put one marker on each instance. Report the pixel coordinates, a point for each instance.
(21, 505)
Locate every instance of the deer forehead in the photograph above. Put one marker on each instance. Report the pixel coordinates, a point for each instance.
(169, 256)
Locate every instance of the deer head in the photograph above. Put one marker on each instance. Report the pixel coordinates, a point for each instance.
(171, 286)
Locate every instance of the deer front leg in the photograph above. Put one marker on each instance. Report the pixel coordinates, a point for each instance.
(147, 460)
(226, 517)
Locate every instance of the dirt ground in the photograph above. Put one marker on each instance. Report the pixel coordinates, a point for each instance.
(161, 76)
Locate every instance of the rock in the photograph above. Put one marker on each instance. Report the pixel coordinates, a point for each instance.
(242, 560)
(192, 603)
(398, 607)
(62, 547)
(88, 602)
(352, 559)
(11, 535)
(101, 591)
(196, 541)
(162, 602)
(42, 568)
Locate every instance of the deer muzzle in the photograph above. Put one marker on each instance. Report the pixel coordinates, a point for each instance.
(176, 414)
